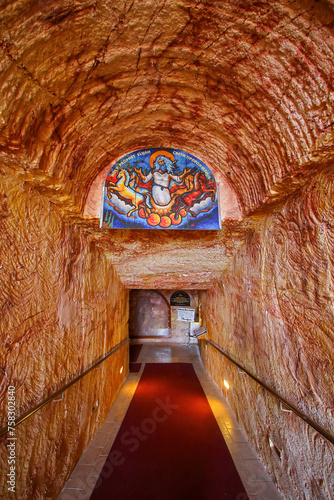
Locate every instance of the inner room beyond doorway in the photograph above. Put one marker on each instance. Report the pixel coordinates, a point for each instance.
(156, 315)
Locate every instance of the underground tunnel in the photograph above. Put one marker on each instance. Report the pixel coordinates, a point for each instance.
(246, 88)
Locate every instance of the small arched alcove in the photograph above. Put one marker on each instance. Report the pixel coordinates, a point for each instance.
(150, 315)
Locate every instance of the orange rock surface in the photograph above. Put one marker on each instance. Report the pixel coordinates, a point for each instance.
(245, 86)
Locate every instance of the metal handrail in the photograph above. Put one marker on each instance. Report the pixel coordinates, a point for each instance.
(45, 401)
(304, 417)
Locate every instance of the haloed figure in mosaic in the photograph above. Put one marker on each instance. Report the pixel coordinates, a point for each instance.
(162, 174)
(162, 188)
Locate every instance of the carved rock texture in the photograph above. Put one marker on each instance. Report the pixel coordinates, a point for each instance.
(247, 86)
(62, 307)
(272, 311)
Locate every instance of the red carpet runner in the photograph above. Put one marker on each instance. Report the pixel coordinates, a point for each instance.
(169, 446)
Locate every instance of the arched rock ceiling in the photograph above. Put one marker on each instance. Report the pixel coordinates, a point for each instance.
(245, 85)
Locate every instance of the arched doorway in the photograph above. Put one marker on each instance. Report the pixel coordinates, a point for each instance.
(149, 315)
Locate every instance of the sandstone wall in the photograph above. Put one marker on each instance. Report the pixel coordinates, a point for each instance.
(272, 310)
(62, 307)
(246, 86)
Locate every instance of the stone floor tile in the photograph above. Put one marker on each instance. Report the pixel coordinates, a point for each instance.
(252, 476)
(249, 485)
(85, 495)
(242, 450)
(98, 466)
(237, 435)
(69, 494)
(266, 490)
(224, 430)
(107, 427)
(90, 456)
(105, 451)
(87, 491)
(99, 440)
(256, 470)
(79, 476)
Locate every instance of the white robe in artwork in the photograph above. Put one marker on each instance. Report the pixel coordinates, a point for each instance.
(160, 188)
